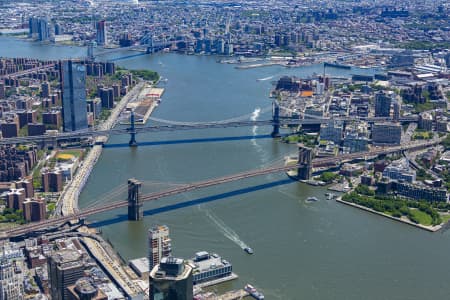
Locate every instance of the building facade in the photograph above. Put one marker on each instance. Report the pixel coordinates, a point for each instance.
(386, 133)
(400, 170)
(102, 38)
(159, 245)
(74, 107)
(11, 272)
(207, 267)
(382, 105)
(417, 192)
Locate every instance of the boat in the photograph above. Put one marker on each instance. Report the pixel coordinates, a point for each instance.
(253, 292)
(248, 250)
(311, 199)
(330, 196)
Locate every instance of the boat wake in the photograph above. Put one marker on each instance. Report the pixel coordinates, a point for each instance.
(258, 147)
(265, 78)
(254, 117)
(226, 230)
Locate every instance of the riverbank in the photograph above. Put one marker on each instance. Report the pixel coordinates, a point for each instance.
(71, 192)
(403, 220)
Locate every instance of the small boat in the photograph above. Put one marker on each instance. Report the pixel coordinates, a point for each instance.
(253, 292)
(311, 199)
(330, 196)
(248, 250)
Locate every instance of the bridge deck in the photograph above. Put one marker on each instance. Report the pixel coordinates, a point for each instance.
(207, 183)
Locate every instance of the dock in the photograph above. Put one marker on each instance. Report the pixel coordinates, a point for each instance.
(232, 276)
(239, 294)
(145, 103)
(231, 295)
(259, 65)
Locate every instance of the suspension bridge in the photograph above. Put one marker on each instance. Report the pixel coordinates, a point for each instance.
(148, 44)
(136, 200)
(166, 125)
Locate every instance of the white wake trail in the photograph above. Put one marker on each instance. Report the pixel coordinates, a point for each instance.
(226, 230)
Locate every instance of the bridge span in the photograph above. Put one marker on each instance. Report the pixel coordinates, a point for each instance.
(207, 183)
(91, 133)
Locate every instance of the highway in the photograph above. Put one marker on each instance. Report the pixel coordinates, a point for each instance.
(69, 202)
(215, 181)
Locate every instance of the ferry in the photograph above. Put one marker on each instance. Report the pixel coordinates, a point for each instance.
(248, 250)
(311, 199)
(253, 292)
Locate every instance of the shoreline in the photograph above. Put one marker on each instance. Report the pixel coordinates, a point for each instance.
(274, 59)
(72, 191)
(423, 227)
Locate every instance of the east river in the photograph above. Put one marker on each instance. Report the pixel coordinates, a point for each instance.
(321, 250)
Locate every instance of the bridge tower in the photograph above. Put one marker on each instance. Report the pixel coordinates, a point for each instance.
(275, 119)
(150, 48)
(90, 50)
(305, 157)
(134, 202)
(132, 131)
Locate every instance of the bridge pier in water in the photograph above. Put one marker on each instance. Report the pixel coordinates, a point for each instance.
(132, 131)
(275, 119)
(305, 157)
(135, 212)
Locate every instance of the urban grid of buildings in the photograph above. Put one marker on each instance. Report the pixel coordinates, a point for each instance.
(405, 102)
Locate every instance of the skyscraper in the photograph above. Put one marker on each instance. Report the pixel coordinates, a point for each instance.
(64, 269)
(33, 27)
(171, 279)
(159, 244)
(43, 30)
(382, 105)
(102, 38)
(73, 82)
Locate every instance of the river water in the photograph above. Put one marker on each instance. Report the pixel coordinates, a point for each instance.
(320, 250)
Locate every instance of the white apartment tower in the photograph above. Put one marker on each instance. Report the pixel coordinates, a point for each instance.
(158, 244)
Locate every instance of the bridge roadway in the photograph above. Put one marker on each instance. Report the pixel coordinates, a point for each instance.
(207, 183)
(90, 133)
(155, 45)
(29, 71)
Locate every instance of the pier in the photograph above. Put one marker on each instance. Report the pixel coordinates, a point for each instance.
(144, 104)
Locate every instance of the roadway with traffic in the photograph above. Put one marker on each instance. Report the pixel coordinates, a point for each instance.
(69, 198)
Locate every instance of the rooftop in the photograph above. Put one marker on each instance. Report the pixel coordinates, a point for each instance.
(204, 261)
